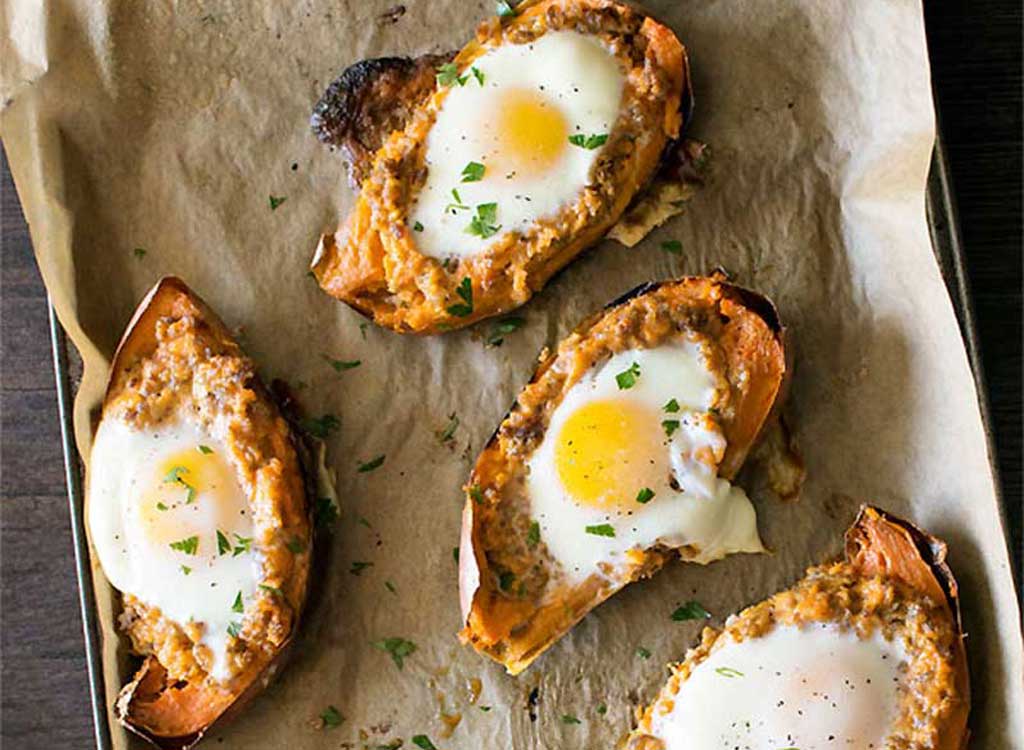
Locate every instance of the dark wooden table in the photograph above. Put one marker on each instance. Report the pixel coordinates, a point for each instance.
(976, 62)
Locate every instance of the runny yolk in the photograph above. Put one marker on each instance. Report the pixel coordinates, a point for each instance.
(191, 493)
(531, 132)
(607, 451)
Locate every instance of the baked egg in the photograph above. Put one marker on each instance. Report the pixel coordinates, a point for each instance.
(616, 457)
(196, 511)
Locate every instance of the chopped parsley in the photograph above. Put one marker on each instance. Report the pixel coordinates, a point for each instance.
(271, 589)
(502, 328)
(692, 610)
(670, 426)
(362, 326)
(340, 365)
(242, 544)
(174, 477)
(644, 495)
(373, 463)
(161, 506)
(672, 246)
(276, 201)
(728, 672)
(321, 427)
(186, 569)
(643, 653)
(533, 535)
(205, 449)
(448, 75)
(478, 75)
(325, 512)
(189, 545)
(358, 568)
(672, 406)
(476, 493)
(331, 717)
(627, 378)
(238, 606)
(474, 171)
(390, 587)
(505, 9)
(422, 741)
(363, 522)
(589, 142)
(295, 545)
(398, 648)
(455, 554)
(482, 225)
(485, 709)
(570, 719)
(223, 545)
(417, 227)
(139, 252)
(601, 529)
(506, 579)
(458, 205)
(602, 709)
(465, 292)
(234, 629)
(449, 431)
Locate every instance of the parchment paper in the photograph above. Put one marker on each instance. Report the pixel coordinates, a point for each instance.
(167, 127)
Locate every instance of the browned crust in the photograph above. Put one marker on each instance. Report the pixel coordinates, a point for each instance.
(515, 632)
(169, 714)
(880, 544)
(371, 262)
(368, 101)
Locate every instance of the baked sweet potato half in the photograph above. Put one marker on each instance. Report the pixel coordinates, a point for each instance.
(865, 652)
(492, 171)
(616, 458)
(197, 511)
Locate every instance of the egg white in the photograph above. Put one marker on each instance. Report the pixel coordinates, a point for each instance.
(574, 75)
(705, 511)
(811, 688)
(132, 535)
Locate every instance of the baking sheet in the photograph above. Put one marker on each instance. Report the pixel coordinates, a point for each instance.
(167, 128)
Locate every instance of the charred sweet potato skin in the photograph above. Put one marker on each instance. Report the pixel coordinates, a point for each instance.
(372, 262)
(744, 330)
(173, 339)
(893, 579)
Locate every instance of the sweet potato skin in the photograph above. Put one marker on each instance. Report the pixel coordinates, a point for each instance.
(371, 262)
(173, 715)
(486, 615)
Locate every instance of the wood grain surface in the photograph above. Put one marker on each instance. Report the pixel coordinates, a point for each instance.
(44, 703)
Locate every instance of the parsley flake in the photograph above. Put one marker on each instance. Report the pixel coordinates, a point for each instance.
(448, 74)
(186, 569)
(692, 610)
(271, 589)
(373, 463)
(422, 741)
(238, 606)
(417, 227)
(161, 506)
(358, 568)
(223, 545)
(533, 535)
(478, 75)
(627, 378)
(331, 718)
(729, 672)
(276, 201)
(325, 512)
(242, 544)
(189, 545)
(502, 328)
(205, 449)
(589, 142)
(449, 431)
(321, 427)
(482, 225)
(398, 648)
(601, 529)
(341, 365)
(474, 171)
(570, 719)
(672, 246)
(234, 629)
(458, 205)
(139, 252)
(643, 653)
(602, 709)
(295, 545)
(390, 587)
(671, 407)
(670, 426)
(465, 292)
(644, 495)
(506, 579)
(455, 554)
(476, 493)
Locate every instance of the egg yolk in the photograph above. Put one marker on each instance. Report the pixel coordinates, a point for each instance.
(532, 132)
(190, 492)
(607, 451)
